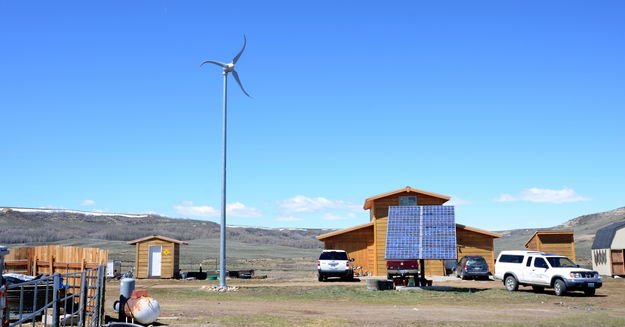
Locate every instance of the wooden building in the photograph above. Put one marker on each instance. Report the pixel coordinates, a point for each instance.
(367, 243)
(608, 250)
(555, 242)
(157, 257)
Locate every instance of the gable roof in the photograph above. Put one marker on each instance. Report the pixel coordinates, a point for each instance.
(604, 236)
(343, 231)
(369, 201)
(548, 232)
(351, 229)
(162, 238)
(479, 231)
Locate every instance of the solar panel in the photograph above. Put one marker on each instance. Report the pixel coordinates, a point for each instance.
(421, 232)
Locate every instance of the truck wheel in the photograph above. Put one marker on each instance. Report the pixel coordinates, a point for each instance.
(538, 289)
(389, 276)
(590, 291)
(511, 283)
(559, 287)
(320, 277)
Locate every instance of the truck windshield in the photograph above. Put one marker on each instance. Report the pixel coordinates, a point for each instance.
(560, 262)
(333, 256)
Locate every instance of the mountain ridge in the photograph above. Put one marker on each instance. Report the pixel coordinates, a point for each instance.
(28, 225)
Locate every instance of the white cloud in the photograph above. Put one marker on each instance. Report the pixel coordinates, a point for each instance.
(239, 209)
(302, 203)
(456, 201)
(88, 203)
(565, 195)
(330, 216)
(289, 218)
(188, 209)
(236, 209)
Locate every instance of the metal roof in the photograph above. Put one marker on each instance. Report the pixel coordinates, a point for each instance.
(605, 235)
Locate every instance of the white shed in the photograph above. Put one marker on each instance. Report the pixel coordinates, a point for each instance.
(608, 250)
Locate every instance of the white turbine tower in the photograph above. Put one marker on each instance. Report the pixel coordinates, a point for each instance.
(227, 68)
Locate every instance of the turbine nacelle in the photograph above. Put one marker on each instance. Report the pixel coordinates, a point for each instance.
(229, 68)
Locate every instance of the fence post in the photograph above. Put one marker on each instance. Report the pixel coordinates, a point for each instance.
(99, 310)
(51, 265)
(82, 317)
(56, 307)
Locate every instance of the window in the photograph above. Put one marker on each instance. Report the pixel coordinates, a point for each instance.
(529, 262)
(540, 263)
(476, 261)
(407, 200)
(509, 258)
(561, 262)
(333, 256)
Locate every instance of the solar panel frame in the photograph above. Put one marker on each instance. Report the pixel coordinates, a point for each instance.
(421, 232)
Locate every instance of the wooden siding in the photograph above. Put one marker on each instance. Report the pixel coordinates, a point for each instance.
(167, 260)
(562, 244)
(358, 244)
(472, 243)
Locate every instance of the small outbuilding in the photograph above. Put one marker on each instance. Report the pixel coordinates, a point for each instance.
(366, 243)
(557, 242)
(608, 250)
(157, 257)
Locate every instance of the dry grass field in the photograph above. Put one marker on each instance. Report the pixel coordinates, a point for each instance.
(299, 300)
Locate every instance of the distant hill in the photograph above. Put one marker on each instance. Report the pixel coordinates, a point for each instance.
(27, 225)
(584, 227)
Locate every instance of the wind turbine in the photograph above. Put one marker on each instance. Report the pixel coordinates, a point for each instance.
(227, 68)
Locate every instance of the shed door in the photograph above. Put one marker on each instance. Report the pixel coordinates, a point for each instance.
(154, 261)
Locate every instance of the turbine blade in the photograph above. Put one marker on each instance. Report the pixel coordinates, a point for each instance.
(222, 65)
(236, 77)
(236, 58)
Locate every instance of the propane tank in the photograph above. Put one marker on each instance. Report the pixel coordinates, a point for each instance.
(144, 310)
(126, 286)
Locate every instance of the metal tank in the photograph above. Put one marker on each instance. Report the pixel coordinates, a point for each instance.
(144, 310)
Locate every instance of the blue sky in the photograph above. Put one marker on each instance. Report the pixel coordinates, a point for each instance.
(514, 108)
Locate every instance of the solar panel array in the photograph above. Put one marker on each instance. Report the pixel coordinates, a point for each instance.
(421, 232)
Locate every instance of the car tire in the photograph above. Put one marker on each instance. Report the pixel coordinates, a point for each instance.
(511, 283)
(590, 291)
(462, 276)
(559, 287)
(538, 289)
(321, 278)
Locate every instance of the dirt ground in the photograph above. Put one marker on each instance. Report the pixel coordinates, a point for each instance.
(306, 302)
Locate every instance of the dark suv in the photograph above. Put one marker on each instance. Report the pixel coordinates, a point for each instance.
(472, 266)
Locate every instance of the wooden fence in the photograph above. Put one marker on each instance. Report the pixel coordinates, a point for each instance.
(50, 259)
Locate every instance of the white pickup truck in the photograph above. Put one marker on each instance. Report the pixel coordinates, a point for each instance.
(543, 270)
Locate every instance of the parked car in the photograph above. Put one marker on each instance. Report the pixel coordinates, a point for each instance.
(335, 263)
(402, 269)
(472, 267)
(543, 270)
